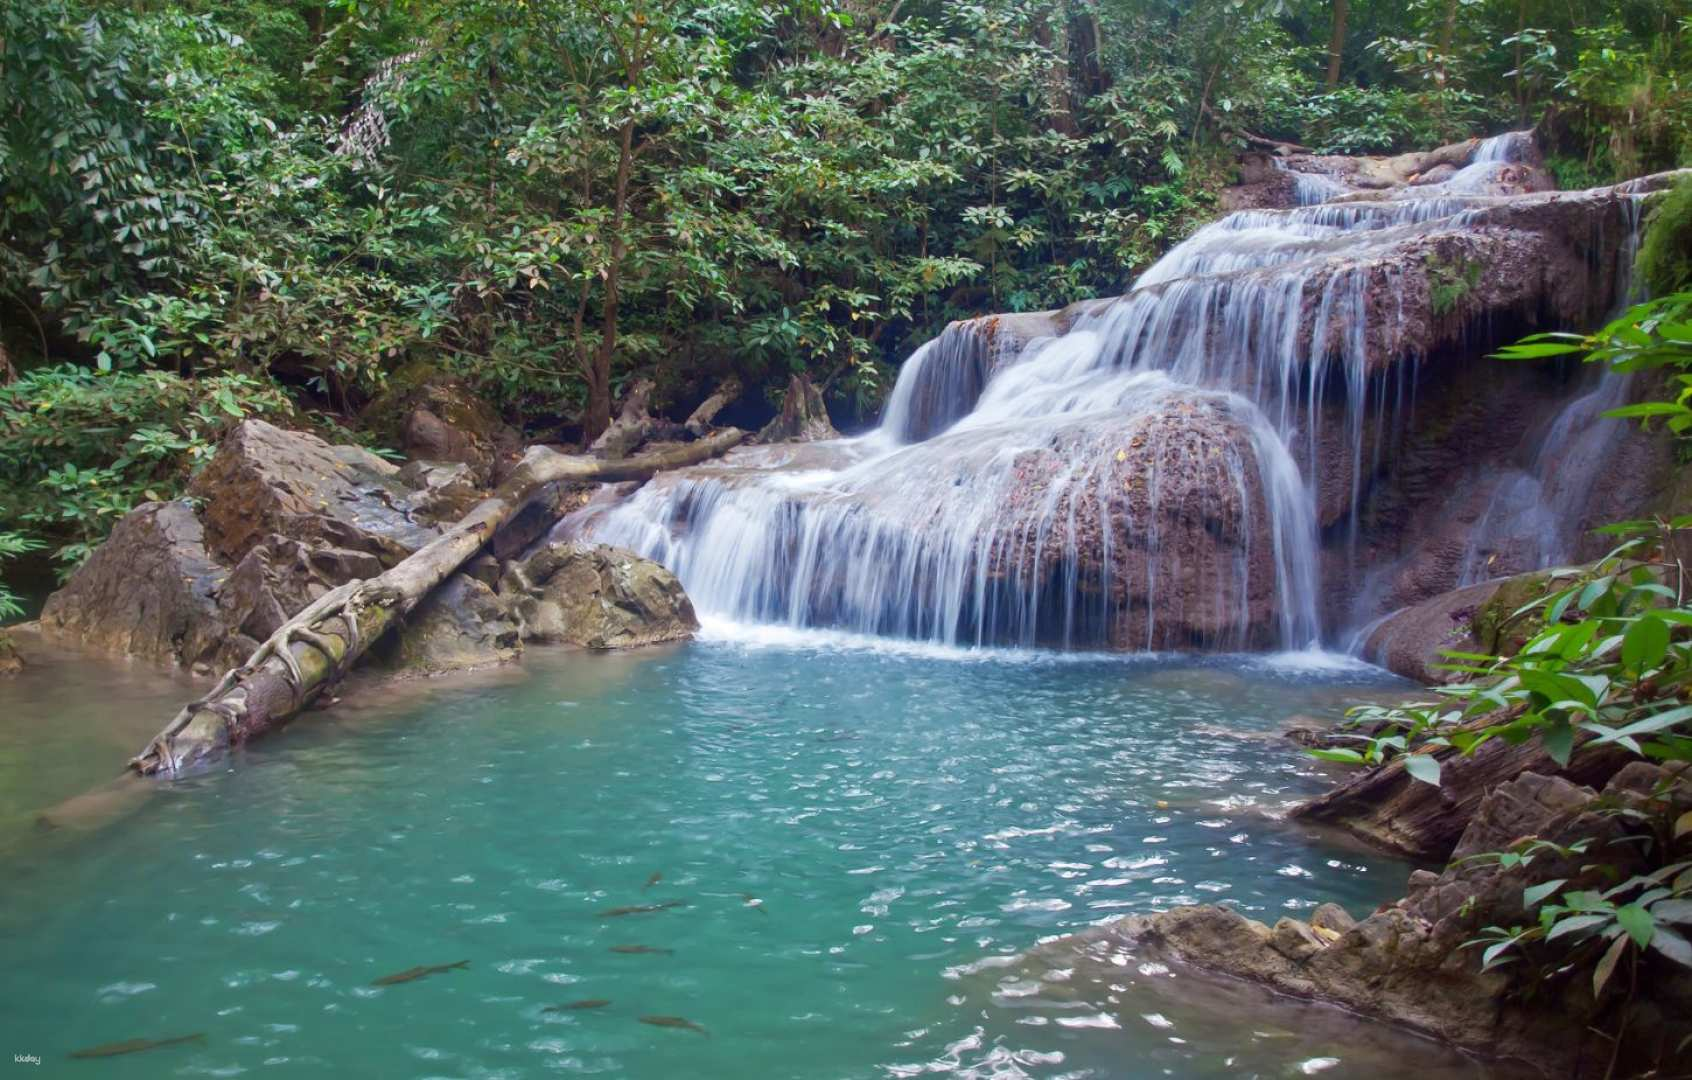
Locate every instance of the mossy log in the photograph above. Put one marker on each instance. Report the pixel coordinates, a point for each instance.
(293, 666)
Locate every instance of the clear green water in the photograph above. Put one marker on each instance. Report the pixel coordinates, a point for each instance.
(907, 823)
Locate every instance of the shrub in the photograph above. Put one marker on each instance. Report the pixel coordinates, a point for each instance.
(80, 448)
(1665, 257)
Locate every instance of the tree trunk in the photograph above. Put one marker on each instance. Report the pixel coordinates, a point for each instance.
(1447, 35)
(1336, 43)
(599, 379)
(633, 426)
(291, 668)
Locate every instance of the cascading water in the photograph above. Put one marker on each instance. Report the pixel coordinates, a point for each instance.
(1138, 473)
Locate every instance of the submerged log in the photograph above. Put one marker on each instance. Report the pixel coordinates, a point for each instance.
(306, 653)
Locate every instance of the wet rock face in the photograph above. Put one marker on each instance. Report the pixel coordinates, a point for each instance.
(597, 597)
(10, 661)
(1164, 533)
(1406, 964)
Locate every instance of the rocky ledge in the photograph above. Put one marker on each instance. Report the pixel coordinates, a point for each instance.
(1407, 964)
(278, 518)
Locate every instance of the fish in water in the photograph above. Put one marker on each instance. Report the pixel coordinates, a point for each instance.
(642, 949)
(657, 876)
(674, 1022)
(754, 902)
(422, 971)
(135, 1046)
(640, 909)
(585, 1003)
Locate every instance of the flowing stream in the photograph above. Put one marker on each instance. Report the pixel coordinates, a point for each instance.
(865, 838)
(1142, 476)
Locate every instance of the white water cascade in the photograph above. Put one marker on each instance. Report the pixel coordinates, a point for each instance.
(1137, 473)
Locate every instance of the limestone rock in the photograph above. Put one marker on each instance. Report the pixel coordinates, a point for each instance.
(1386, 807)
(150, 591)
(1174, 502)
(442, 492)
(1406, 963)
(1477, 618)
(463, 624)
(598, 597)
(264, 481)
(10, 661)
(284, 517)
(432, 416)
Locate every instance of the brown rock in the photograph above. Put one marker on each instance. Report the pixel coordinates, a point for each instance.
(150, 591)
(434, 417)
(265, 481)
(461, 625)
(598, 597)
(1408, 964)
(1389, 809)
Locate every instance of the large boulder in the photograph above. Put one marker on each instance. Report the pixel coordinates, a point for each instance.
(463, 624)
(283, 517)
(1163, 528)
(150, 591)
(597, 597)
(1484, 618)
(265, 481)
(432, 416)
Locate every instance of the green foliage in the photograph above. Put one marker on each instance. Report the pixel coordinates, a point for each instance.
(1665, 256)
(1383, 120)
(11, 546)
(80, 448)
(1610, 665)
(1450, 282)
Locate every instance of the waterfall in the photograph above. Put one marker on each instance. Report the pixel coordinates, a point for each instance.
(1142, 473)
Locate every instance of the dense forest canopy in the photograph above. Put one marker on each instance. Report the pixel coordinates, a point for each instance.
(210, 210)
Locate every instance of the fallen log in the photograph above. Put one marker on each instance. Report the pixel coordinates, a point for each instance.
(325, 639)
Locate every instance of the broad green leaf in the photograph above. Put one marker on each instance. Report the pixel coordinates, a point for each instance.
(1637, 922)
(1572, 923)
(1532, 895)
(1558, 741)
(1424, 767)
(1538, 350)
(1673, 946)
(1674, 911)
(1645, 644)
(1607, 965)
